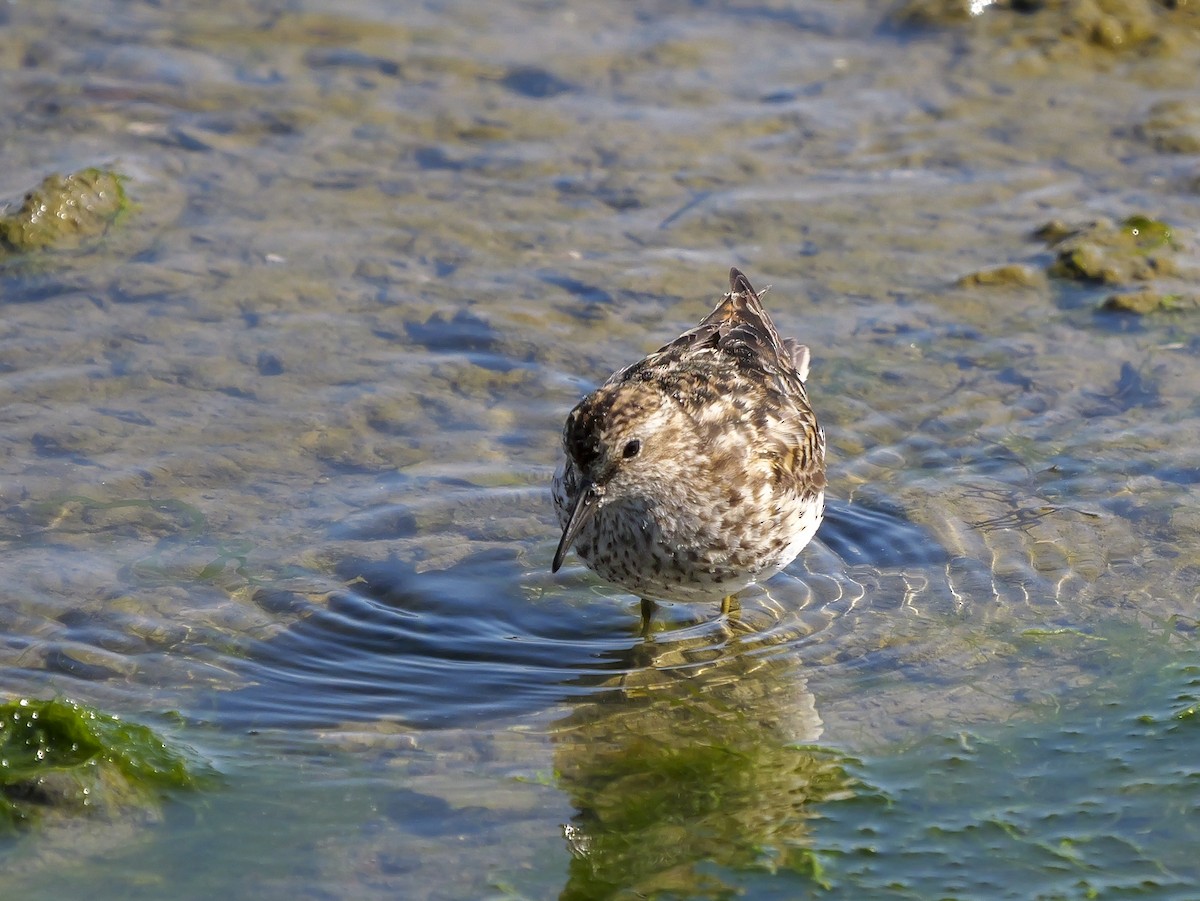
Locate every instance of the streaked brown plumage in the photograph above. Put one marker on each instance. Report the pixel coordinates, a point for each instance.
(700, 469)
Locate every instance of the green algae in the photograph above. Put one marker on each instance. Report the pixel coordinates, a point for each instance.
(689, 791)
(61, 756)
(1147, 234)
(64, 211)
(1093, 797)
(1138, 250)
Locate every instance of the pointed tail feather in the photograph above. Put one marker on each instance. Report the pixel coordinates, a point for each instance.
(739, 284)
(741, 324)
(744, 317)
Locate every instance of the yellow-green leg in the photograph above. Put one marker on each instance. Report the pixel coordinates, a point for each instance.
(648, 608)
(729, 604)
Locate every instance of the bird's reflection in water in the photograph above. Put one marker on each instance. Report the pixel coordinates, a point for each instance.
(696, 761)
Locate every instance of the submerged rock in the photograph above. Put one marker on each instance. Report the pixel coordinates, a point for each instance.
(64, 211)
(1172, 126)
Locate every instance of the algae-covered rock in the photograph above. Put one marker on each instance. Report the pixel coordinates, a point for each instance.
(1142, 302)
(1113, 24)
(64, 211)
(1015, 275)
(1137, 249)
(933, 13)
(1088, 30)
(1053, 231)
(60, 757)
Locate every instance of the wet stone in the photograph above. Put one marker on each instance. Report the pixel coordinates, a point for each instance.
(88, 663)
(464, 332)
(535, 82)
(269, 364)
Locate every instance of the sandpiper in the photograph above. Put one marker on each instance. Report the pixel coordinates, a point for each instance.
(700, 469)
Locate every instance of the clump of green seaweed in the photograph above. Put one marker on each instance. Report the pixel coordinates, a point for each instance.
(64, 757)
(64, 211)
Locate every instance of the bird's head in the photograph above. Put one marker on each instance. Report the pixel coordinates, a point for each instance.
(621, 443)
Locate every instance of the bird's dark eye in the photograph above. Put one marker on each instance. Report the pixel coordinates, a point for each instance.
(632, 448)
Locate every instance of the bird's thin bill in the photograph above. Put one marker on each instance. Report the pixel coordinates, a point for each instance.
(585, 506)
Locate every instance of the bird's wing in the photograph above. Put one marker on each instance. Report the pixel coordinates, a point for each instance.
(794, 449)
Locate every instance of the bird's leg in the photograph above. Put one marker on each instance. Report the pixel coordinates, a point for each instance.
(729, 604)
(648, 608)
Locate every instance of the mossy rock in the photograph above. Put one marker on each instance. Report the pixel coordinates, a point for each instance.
(61, 757)
(1142, 302)
(64, 211)
(1136, 249)
(1015, 275)
(1057, 27)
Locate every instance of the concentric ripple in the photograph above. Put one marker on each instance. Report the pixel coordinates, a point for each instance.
(484, 640)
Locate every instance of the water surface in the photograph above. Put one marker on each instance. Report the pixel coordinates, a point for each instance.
(275, 457)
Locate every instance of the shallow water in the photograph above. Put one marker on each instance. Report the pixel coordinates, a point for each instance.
(276, 450)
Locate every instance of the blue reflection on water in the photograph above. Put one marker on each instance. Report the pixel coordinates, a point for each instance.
(434, 649)
(468, 644)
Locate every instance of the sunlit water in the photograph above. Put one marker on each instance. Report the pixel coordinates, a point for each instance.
(275, 453)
